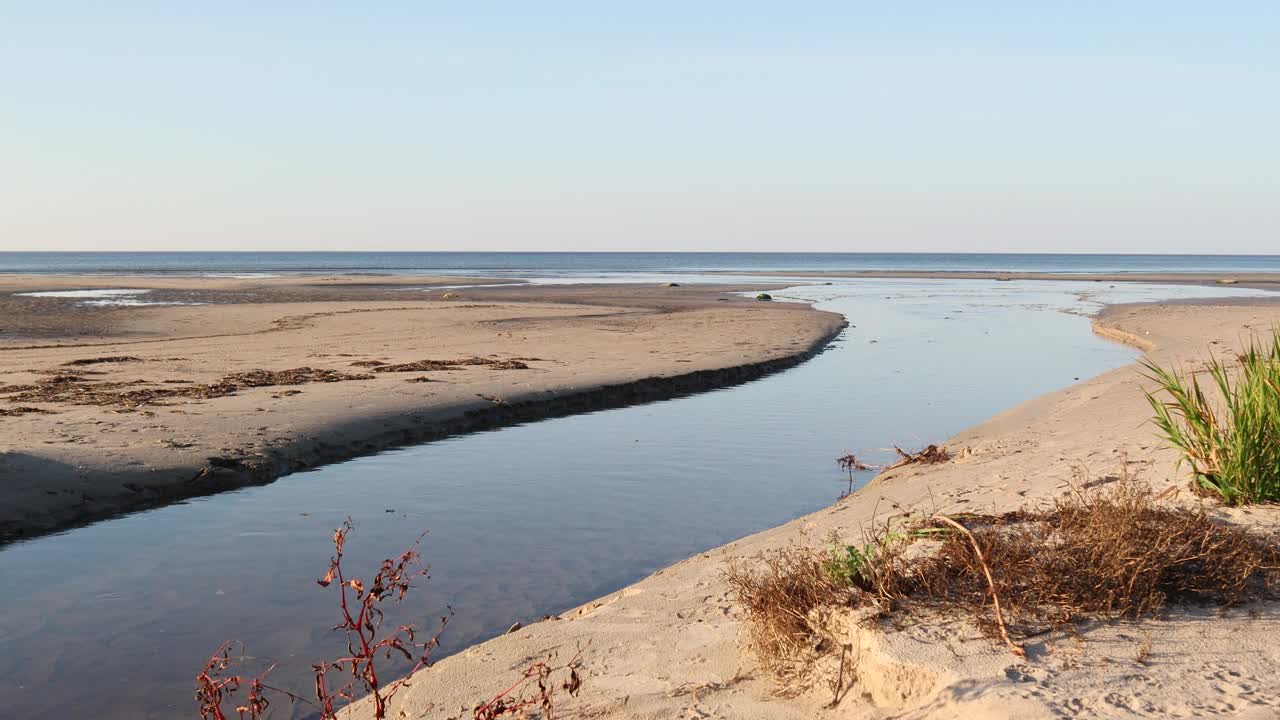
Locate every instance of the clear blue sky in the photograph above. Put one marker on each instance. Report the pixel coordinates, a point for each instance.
(934, 126)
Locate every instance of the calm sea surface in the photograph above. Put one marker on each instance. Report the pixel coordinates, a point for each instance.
(572, 264)
(113, 620)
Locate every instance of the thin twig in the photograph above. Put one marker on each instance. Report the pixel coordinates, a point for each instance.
(995, 597)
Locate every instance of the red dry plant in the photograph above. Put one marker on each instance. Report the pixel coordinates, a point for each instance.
(362, 618)
(515, 703)
(363, 628)
(213, 686)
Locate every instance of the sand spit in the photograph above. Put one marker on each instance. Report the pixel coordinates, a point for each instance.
(673, 645)
(113, 409)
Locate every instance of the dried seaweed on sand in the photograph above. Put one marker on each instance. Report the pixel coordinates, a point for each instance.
(71, 389)
(424, 365)
(104, 359)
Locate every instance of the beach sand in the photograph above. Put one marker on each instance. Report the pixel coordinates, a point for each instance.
(673, 645)
(107, 409)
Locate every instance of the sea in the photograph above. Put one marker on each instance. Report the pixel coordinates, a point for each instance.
(595, 264)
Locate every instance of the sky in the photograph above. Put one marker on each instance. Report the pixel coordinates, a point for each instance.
(1121, 126)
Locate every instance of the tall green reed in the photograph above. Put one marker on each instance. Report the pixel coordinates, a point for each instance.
(1231, 441)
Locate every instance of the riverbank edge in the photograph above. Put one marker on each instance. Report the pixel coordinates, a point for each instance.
(380, 432)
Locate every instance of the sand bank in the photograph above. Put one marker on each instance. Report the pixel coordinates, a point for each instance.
(226, 382)
(673, 645)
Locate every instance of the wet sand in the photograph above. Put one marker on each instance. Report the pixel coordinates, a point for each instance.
(673, 644)
(108, 409)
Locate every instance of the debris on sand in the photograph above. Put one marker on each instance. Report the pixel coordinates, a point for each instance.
(296, 376)
(928, 456)
(105, 359)
(127, 394)
(56, 371)
(23, 410)
(851, 462)
(367, 363)
(418, 366)
(511, 364)
(62, 379)
(425, 365)
(420, 378)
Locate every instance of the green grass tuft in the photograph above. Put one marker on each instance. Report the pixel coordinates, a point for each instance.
(1231, 442)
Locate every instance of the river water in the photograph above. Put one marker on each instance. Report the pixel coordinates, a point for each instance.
(114, 620)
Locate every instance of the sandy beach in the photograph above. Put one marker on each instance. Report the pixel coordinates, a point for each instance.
(674, 645)
(113, 408)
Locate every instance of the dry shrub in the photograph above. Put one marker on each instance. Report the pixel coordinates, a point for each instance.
(1103, 553)
(791, 596)
(1094, 554)
(788, 600)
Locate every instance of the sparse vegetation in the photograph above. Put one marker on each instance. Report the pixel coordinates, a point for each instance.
(1231, 442)
(1106, 553)
(860, 566)
(360, 671)
(789, 600)
(362, 616)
